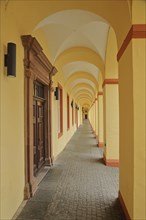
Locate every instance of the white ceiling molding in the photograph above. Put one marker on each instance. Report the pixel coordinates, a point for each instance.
(81, 80)
(80, 66)
(74, 28)
(84, 94)
(82, 89)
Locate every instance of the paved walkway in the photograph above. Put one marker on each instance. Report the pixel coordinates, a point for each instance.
(78, 187)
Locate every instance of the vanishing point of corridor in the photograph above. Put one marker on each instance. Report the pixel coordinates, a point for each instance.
(78, 187)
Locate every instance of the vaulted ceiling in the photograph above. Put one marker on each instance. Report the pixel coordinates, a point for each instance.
(80, 29)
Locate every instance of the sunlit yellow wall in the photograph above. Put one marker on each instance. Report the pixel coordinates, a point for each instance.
(139, 98)
(133, 120)
(111, 94)
(12, 122)
(100, 119)
(58, 144)
(96, 130)
(138, 12)
(94, 116)
(132, 129)
(126, 129)
(80, 114)
(111, 64)
(139, 77)
(104, 115)
(111, 100)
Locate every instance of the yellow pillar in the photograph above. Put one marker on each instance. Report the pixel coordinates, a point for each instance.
(100, 119)
(132, 84)
(111, 124)
(96, 118)
(92, 117)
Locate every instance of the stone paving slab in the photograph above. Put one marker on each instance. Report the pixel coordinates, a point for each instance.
(79, 186)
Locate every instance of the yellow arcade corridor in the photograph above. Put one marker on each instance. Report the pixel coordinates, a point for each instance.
(79, 186)
(68, 67)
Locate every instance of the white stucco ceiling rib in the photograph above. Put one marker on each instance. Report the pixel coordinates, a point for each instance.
(77, 29)
(78, 66)
(82, 88)
(83, 94)
(79, 92)
(73, 28)
(73, 18)
(81, 80)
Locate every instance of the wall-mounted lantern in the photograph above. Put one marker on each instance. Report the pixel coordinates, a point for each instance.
(10, 60)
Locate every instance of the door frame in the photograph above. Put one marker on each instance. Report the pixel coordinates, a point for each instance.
(36, 67)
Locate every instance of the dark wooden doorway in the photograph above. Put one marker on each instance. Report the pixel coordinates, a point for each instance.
(38, 127)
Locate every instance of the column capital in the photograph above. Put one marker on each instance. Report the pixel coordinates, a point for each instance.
(29, 74)
(100, 93)
(110, 81)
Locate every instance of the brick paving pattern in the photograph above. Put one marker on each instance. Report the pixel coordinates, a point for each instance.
(78, 187)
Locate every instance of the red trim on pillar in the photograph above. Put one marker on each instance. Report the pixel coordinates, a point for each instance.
(124, 206)
(110, 81)
(100, 144)
(110, 162)
(100, 93)
(136, 31)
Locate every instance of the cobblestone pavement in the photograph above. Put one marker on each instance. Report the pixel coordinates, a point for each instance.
(78, 187)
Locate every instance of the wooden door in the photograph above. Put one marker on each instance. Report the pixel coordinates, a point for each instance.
(38, 132)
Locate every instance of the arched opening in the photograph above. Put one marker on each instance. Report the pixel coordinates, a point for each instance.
(76, 44)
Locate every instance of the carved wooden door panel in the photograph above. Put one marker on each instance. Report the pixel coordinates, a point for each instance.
(35, 135)
(40, 133)
(38, 127)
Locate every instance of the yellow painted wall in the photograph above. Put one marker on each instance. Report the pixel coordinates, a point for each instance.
(111, 64)
(96, 122)
(58, 144)
(104, 115)
(100, 119)
(139, 99)
(126, 184)
(111, 100)
(93, 116)
(111, 95)
(132, 129)
(12, 122)
(138, 12)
